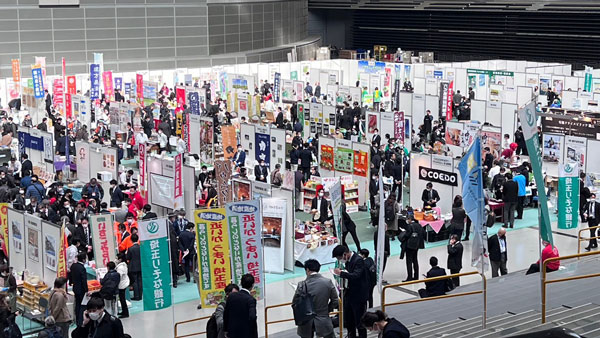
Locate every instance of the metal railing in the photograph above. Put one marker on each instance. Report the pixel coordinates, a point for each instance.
(267, 322)
(483, 291)
(559, 280)
(581, 239)
(190, 321)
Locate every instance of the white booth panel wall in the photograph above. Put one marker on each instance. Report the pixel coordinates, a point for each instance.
(16, 233)
(406, 103)
(581, 83)
(431, 87)
(567, 69)
(418, 110)
(572, 83)
(247, 141)
(478, 110)
(520, 79)
(592, 167)
(386, 124)
(521, 66)
(551, 167)
(51, 247)
(189, 190)
(493, 113)
(277, 148)
(510, 94)
(508, 120)
(418, 70)
(433, 103)
(446, 192)
(363, 182)
(33, 245)
(417, 186)
(460, 80)
(325, 141)
(511, 65)
(419, 85)
(568, 99)
(524, 95)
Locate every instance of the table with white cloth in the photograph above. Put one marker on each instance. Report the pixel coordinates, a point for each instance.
(321, 253)
(313, 241)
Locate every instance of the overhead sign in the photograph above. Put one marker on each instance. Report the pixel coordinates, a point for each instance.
(438, 176)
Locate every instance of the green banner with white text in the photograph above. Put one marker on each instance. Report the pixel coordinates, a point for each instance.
(568, 195)
(156, 266)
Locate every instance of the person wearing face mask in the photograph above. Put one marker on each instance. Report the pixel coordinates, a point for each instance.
(592, 213)
(11, 283)
(261, 172)
(94, 190)
(130, 222)
(116, 194)
(378, 321)
(137, 201)
(48, 214)
(356, 293)
(127, 242)
(78, 279)
(319, 206)
(430, 196)
(67, 211)
(58, 306)
(19, 202)
(180, 223)
(98, 323)
(84, 234)
(35, 189)
(123, 283)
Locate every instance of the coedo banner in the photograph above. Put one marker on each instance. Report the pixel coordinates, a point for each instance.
(438, 176)
(568, 195)
(245, 223)
(156, 268)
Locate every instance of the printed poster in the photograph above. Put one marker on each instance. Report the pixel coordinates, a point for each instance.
(229, 136)
(263, 146)
(4, 226)
(273, 231)
(245, 225)
(575, 150)
(326, 157)
(51, 253)
(552, 148)
(214, 262)
(344, 160)
(361, 163)
(103, 239)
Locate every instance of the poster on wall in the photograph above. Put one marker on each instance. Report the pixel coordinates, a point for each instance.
(242, 190)
(361, 163)
(273, 233)
(214, 262)
(575, 150)
(552, 148)
(103, 239)
(229, 137)
(372, 123)
(33, 250)
(454, 131)
(557, 86)
(544, 86)
(493, 140)
(245, 225)
(287, 91)
(344, 160)
(299, 90)
(51, 252)
(223, 174)
(206, 139)
(326, 157)
(18, 235)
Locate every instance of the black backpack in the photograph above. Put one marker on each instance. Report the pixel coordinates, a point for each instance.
(412, 242)
(390, 214)
(372, 270)
(212, 330)
(12, 331)
(304, 309)
(53, 333)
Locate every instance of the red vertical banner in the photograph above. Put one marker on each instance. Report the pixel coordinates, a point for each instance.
(68, 105)
(16, 73)
(59, 89)
(62, 254)
(108, 85)
(142, 155)
(180, 94)
(71, 85)
(139, 87)
(449, 103)
(64, 68)
(178, 182)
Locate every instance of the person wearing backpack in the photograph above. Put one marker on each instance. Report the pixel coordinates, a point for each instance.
(110, 287)
(317, 295)
(98, 323)
(58, 306)
(415, 240)
(214, 326)
(51, 330)
(372, 271)
(391, 209)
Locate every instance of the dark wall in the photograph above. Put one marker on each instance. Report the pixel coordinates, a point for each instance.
(468, 35)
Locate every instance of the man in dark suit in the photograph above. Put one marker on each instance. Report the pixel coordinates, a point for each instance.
(510, 197)
(435, 288)
(78, 279)
(414, 240)
(116, 194)
(498, 252)
(26, 164)
(135, 267)
(240, 157)
(356, 292)
(180, 223)
(261, 172)
(430, 196)
(592, 213)
(148, 213)
(186, 245)
(239, 317)
(279, 119)
(455, 253)
(376, 140)
(83, 232)
(305, 161)
(319, 204)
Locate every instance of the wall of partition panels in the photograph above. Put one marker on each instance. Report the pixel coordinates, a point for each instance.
(149, 34)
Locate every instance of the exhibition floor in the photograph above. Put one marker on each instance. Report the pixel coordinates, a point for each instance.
(522, 251)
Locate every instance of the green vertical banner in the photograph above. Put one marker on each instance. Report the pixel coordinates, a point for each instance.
(156, 266)
(529, 124)
(568, 195)
(587, 86)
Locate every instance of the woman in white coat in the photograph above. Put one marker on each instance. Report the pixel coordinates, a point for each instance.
(123, 284)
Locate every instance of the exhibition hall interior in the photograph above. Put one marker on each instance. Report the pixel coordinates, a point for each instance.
(299, 168)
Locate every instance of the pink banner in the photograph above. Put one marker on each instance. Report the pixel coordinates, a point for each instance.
(108, 85)
(142, 155)
(59, 89)
(178, 176)
(139, 87)
(69, 105)
(180, 99)
(449, 103)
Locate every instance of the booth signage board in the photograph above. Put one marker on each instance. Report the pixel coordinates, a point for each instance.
(103, 238)
(263, 144)
(276, 85)
(161, 189)
(568, 195)
(223, 174)
(344, 156)
(570, 126)
(245, 228)
(214, 263)
(178, 203)
(399, 126)
(156, 267)
(438, 176)
(274, 232)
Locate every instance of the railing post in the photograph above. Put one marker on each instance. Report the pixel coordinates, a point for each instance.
(266, 323)
(484, 300)
(340, 317)
(544, 291)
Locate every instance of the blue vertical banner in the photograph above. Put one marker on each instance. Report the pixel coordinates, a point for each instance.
(194, 101)
(262, 145)
(95, 81)
(127, 88)
(473, 202)
(118, 83)
(21, 142)
(276, 86)
(38, 82)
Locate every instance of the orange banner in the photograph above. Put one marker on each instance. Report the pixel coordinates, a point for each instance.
(16, 73)
(62, 254)
(229, 141)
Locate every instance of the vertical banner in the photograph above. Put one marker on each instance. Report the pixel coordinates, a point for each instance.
(139, 87)
(16, 74)
(127, 88)
(245, 224)
(99, 60)
(72, 85)
(95, 81)
(108, 85)
(62, 253)
(223, 174)
(473, 201)
(276, 87)
(185, 130)
(38, 82)
(180, 95)
(263, 145)
(449, 107)
(399, 126)
(396, 97)
(568, 195)
(380, 252)
(214, 262)
(178, 182)
(193, 98)
(529, 123)
(68, 105)
(103, 239)
(156, 265)
(4, 226)
(229, 139)
(58, 91)
(41, 61)
(118, 83)
(142, 156)
(587, 86)
(335, 193)
(274, 216)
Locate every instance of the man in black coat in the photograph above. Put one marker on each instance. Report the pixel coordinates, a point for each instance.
(187, 239)
(98, 323)
(239, 317)
(305, 161)
(135, 267)
(261, 172)
(430, 196)
(348, 226)
(498, 252)
(116, 194)
(455, 253)
(592, 213)
(413, 241)
(78, 280)
(279, 119)
(435, 288)
(510, 197)
(356, 293)
(321, 205)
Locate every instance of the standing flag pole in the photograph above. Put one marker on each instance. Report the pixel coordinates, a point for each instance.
(381, 228)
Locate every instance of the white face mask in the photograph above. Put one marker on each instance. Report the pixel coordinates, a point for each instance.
(94, 315)
(343, 260)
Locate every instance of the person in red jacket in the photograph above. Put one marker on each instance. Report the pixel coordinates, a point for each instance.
(137, 201)
(549, 251)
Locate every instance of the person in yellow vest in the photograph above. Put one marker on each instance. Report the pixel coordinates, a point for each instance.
(376, 99)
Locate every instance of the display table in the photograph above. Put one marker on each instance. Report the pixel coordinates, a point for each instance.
(436, 225)
(313, 241)
(497, 207)
(59, 165)
(321, 253)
